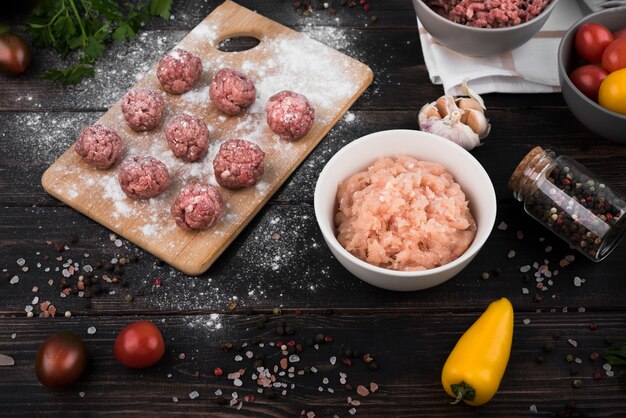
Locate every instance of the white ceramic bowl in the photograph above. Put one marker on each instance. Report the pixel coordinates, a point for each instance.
(360, 154)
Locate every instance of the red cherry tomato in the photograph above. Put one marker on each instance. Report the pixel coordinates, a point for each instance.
(614, 56)
(620, 34)
(587, 79)
(591, 40)
(61, 359)
(14, 54)
(139, 345)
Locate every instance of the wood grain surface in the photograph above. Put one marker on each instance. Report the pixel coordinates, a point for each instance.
(148, 224)
(280, 260)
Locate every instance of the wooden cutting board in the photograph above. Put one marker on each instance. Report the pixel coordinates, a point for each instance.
(283, 60)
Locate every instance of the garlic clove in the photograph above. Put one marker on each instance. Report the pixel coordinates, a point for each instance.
(477, 121)
(468, 103)
(430, 111)
(442, 106)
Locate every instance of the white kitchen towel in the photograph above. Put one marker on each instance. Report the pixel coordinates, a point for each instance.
(531, 68)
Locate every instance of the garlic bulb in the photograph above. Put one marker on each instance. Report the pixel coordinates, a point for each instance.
(461, 120)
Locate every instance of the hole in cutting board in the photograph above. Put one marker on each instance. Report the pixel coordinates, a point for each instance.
(237, 43)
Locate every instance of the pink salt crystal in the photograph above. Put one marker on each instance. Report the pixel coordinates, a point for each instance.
(362, 390)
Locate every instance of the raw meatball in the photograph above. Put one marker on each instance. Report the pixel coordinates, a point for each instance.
(290, 115)
(231, 91)
(188, 137)
(198, 206)
(99, 145)
(238, 164)
(143, 177)
(178, 71)
(143, 109)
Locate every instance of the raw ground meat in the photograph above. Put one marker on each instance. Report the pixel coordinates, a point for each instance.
(404, 214)
(143, 109)
(231, 91)
(188, 137)
(238, 164)
(290, 115)
(198, 206)
(99, 145)
(488, 13)
(178, 71)
(143, 177)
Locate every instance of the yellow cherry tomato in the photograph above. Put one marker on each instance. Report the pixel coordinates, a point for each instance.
(612, 94)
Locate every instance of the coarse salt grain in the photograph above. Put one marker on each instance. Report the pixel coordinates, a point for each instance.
(533, 409)
(524, 269)
(502, 226)
(573, 343)
(194, 394)
(21, 262)
(174, 399)
(14, 280)
(91, 330)
(511, 254)
(81, 394)
(333, 360)
(526, 321)
(352, 411)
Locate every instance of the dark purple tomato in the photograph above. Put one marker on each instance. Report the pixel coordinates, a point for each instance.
(61, 359)
(14, 54)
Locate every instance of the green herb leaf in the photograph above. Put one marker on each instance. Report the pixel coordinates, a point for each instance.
(616, 356)
(124, 32)
(161, 8)
(68, 25)
(93, 49)
(70, 75)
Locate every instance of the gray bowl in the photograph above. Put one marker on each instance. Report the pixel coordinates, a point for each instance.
(596, 118)
(478, 42)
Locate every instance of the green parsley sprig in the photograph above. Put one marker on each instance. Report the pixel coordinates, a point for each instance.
(88, 26)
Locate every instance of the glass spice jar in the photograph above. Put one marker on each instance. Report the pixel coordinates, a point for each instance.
(571, 201)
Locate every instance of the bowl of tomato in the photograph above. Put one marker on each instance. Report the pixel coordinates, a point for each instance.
(592, 72)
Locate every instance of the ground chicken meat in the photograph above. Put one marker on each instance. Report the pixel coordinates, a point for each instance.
(198, 206)
(99, 146)
(404, 214)
(188, 137)
(143, 177)
(488, 13)
(238, 164)
(290, 115)
(143, 109)
(178, 71)
(231, 91)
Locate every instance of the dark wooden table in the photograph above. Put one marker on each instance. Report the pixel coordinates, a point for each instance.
(281, 261)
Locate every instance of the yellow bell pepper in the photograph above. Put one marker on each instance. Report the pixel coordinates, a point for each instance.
(475, 367)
